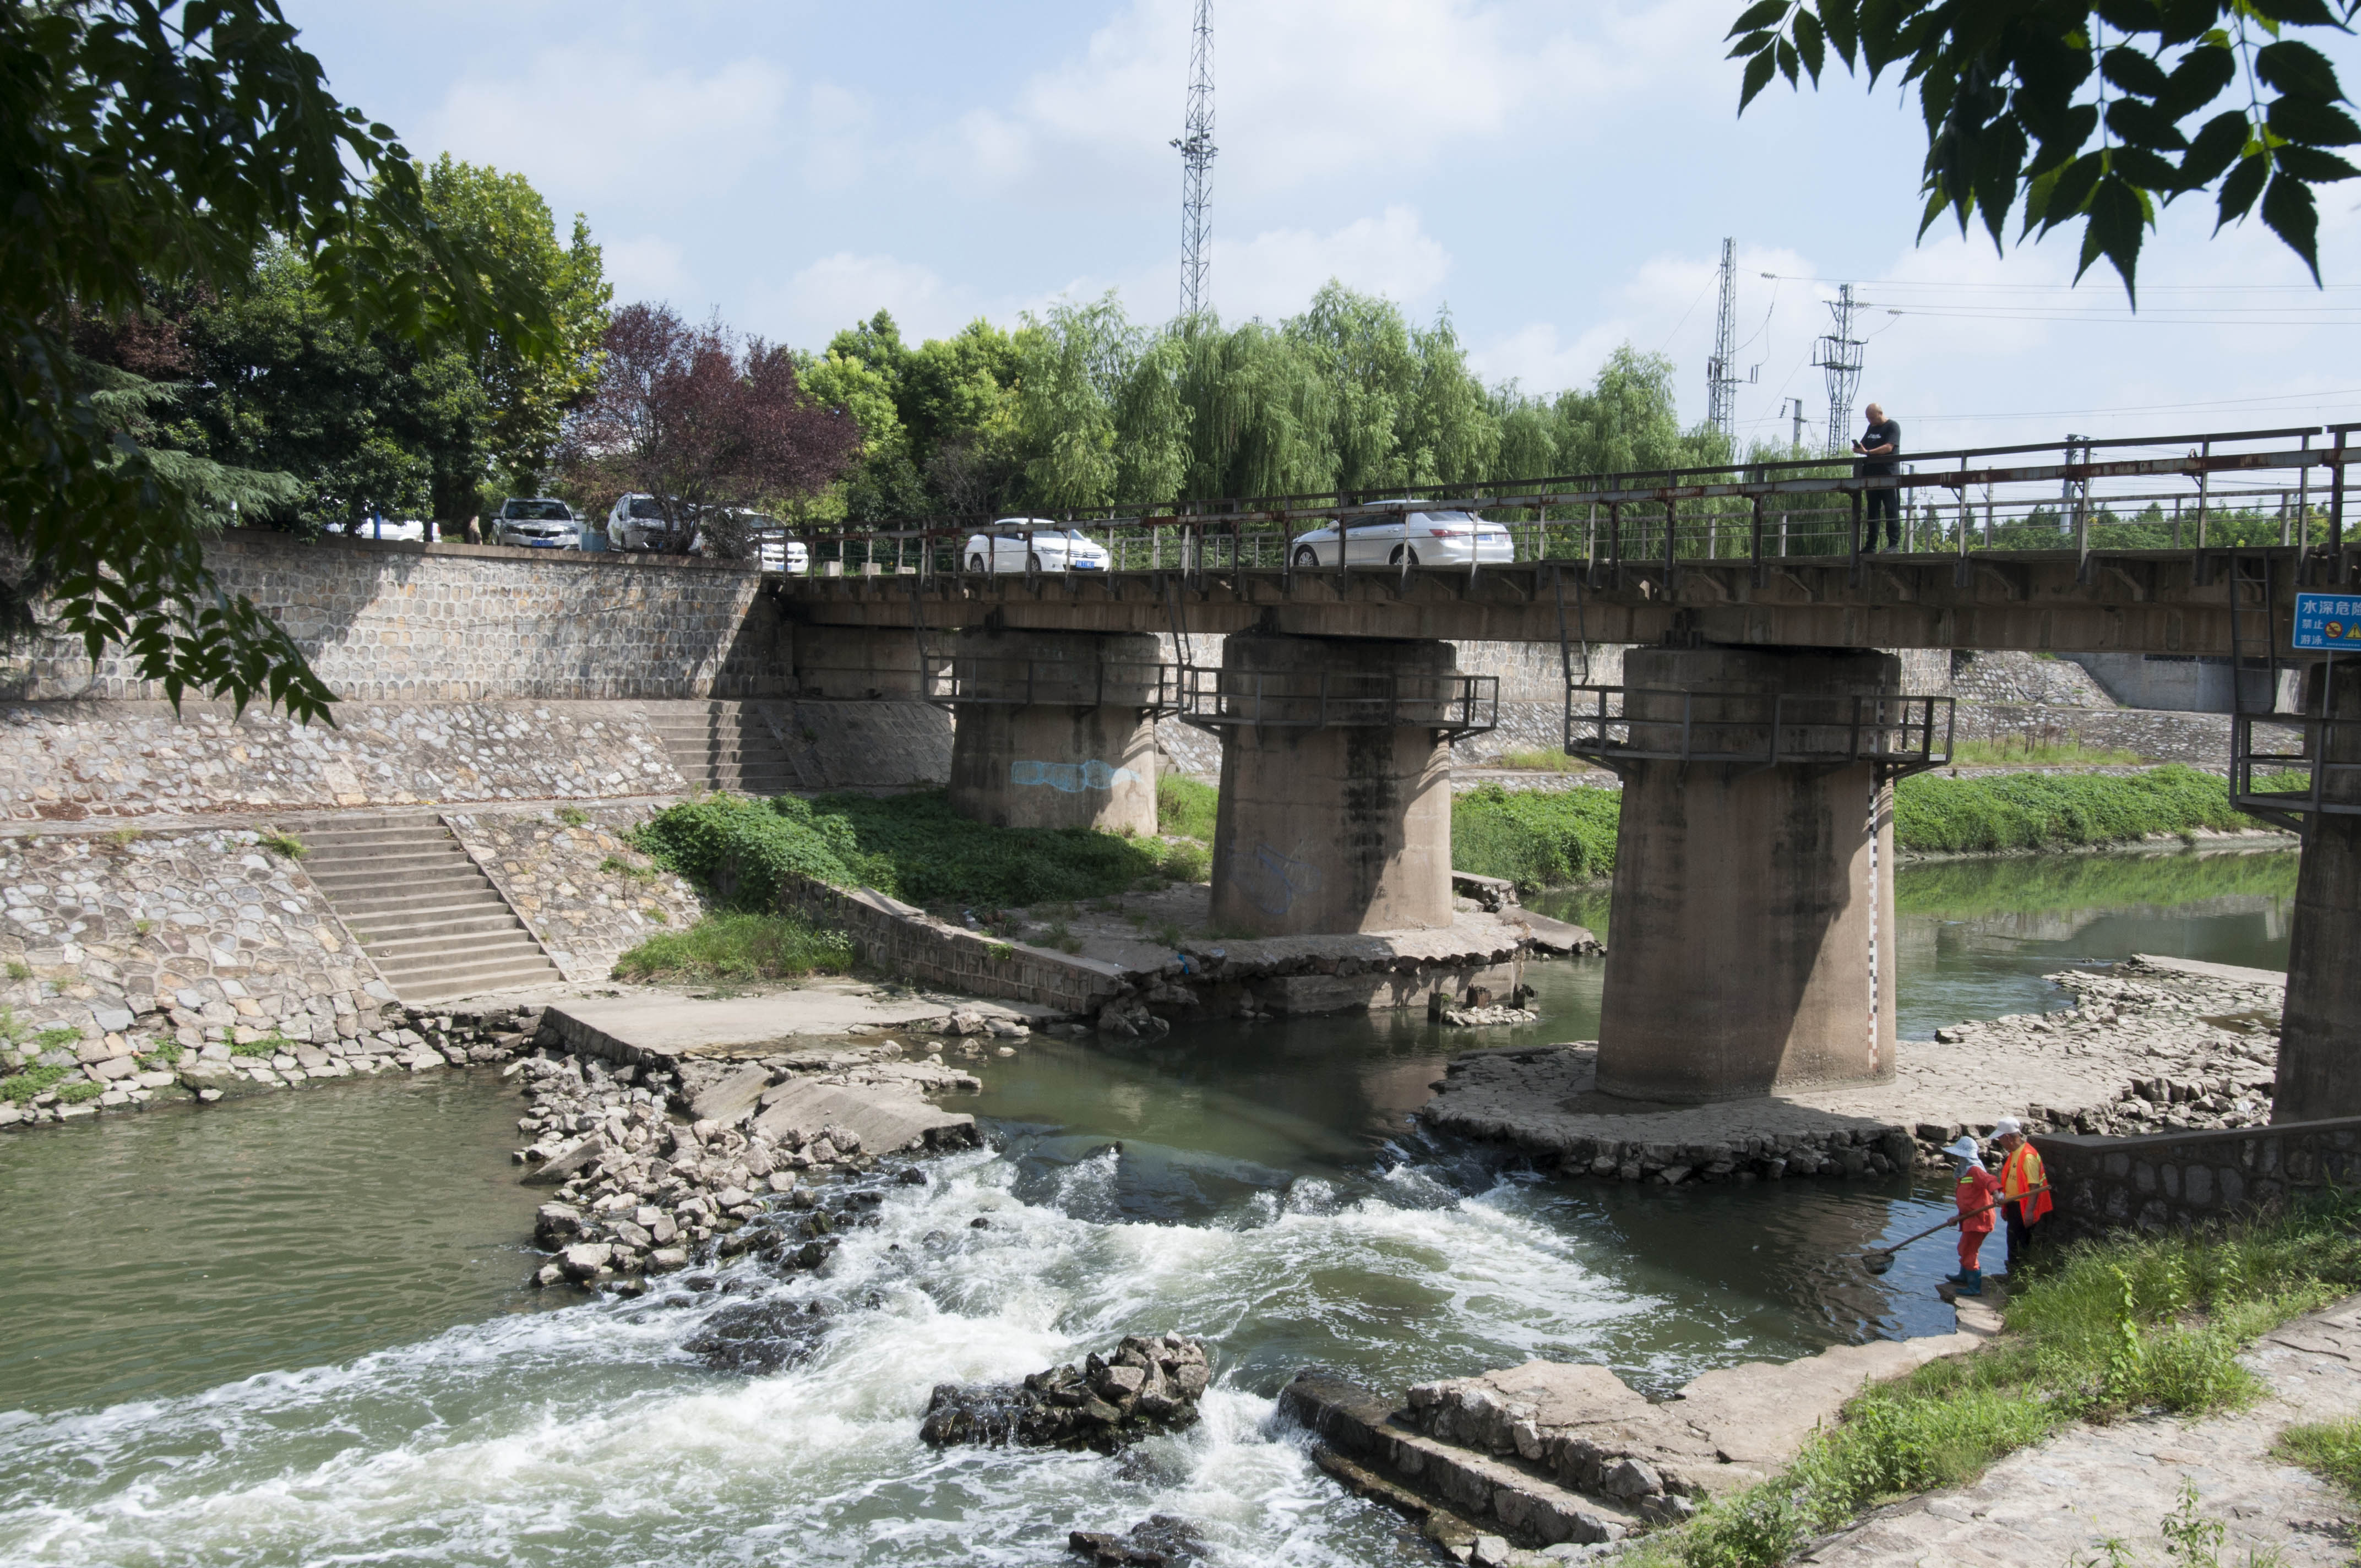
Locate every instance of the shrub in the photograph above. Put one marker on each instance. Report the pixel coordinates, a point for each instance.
(738, 945)
(1934, 812)
(1187, 862)
(1551, 759)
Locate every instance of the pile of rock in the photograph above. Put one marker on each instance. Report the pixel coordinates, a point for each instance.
(1148, 1386)
(1159, 1542)
(117, 1065)
(637, 1191)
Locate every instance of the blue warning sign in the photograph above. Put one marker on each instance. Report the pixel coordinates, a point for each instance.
(2328, 622)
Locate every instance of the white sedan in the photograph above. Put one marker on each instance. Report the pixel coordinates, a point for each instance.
(1050, 548)
(1427, 538)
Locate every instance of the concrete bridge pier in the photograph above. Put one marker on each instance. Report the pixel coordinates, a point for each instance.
(1750, 940)
(1055, 729)
(2320, 1030)
(1336, 804)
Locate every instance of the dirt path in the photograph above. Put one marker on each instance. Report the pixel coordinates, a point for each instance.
(2060, 1503)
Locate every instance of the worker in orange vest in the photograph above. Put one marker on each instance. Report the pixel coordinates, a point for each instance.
(2023, 1187)
(1976, 1191)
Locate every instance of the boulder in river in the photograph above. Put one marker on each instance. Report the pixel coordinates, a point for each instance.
(1159, 1541)
(1150, 1384)
(759, 1337)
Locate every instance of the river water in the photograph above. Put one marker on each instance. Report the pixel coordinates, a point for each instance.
(292, 1331)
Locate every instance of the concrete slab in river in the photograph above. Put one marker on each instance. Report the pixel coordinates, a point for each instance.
(635, 1028)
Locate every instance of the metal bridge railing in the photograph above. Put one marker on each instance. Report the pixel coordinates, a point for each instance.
(1612, 725)
(962, 679)
(1217, 699)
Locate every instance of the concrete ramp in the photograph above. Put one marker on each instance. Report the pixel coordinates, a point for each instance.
(888, 1122)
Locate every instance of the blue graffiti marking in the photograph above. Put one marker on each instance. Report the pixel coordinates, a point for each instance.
(1071, 778)
(1272, 882)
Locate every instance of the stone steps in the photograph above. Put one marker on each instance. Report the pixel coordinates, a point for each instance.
(726, 747)
(425, 914)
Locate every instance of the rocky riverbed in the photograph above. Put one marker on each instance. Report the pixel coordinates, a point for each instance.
(2151, 1045)
(651, 1165)
(1146, 1385)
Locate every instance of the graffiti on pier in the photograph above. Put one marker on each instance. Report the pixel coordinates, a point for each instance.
(1071, 778)
(1270, 881)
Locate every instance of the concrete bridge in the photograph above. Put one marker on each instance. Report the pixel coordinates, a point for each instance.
(1759, 733)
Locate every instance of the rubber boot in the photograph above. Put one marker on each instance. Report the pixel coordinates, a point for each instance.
(1958, 1278)
(1973, 1285)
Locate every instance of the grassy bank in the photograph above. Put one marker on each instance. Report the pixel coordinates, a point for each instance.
(913, 847)
(738, 945)
(2114, 1329)
(1542, 838)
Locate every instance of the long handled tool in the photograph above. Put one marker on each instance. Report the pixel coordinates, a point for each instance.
(1879, 1261)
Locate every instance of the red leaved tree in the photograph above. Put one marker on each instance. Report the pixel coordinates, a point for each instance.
(694, 418)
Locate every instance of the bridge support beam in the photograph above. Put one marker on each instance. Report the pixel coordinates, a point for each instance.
(2320, 1031)
(1055, 730)
(1334, 817)
(1751, 938)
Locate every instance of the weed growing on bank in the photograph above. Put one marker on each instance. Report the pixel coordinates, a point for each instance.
(2330, 1449)
(738, 945)
(1539, 838)
(1184, 808)
(2025, 751)
(2111, 1329)
(1549, 759)
(913, 847)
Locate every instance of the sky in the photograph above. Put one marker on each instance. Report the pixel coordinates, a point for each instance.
(1559, 177)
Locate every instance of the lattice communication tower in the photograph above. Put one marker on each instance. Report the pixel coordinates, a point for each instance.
(1196, 145)
(1721, 369)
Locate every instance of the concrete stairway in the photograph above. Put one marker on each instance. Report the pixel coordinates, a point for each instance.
(431, 919)
(725, 745)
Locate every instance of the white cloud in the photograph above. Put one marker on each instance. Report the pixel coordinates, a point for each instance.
(838, 290)
(1275, 273)
(588, 122)
(646, 267)
(1306, 90)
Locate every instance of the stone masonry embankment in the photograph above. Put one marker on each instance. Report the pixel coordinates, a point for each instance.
(569, 873)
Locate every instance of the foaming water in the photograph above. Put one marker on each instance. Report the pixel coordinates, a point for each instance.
(292, 1330)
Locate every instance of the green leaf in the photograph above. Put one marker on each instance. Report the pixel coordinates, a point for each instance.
(2297, 69)
(1841, 21)
(1787, 60)
(2240, 189)
(2313, 167)
(2197, 81)
(2298, 13)
(2182, 21)
(2288, 212)
(1748, 45)
(1758, 17)
(2223, 138)
(1758, 77)
(2317, 124)
(1809, 43)
(2143, 169)
(2133, 72)
(2141, 126)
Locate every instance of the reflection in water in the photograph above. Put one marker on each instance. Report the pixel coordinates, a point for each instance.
(1977, 935)
(312, 1300)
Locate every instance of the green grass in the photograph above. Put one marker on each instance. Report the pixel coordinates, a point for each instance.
(268, 1045)
(2027, 752)
(78, 1090)
(286, 846)
(629, 870)
(18, 970)
(1184, 808)
(2112, 1329)
(573, 815)
(913, 847)
(19, 1087)
(2330, 1449)
(1549, 761)
(1554, 838)
(738, 945)
(57, 1038)
(1535, 837)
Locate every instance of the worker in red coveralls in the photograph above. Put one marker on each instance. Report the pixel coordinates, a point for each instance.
(2023, 1187)
(1976, 1191)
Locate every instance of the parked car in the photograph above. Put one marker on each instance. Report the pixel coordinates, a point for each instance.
(537, 522)
(408, 530)
(637, 523)
(774, 551)
(1053, 548)
(1428, 538)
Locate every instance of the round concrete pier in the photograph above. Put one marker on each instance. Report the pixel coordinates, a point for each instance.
(1750, 948)
(1055, 730)
(2319, 1067)
(1334, 817)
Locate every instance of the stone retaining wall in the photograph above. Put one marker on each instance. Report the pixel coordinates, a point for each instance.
(906, 941)
(457, 622)
(2155, 735)
(2177, 1180)
(587, 896)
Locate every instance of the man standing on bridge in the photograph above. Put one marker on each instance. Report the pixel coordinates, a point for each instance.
(1879, 446)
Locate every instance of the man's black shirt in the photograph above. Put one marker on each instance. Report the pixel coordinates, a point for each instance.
(1884, 432)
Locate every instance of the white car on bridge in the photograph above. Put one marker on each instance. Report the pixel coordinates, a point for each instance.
(1427, 538)
(1053, 547)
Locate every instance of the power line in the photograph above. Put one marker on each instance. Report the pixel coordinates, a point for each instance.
(1197, 149)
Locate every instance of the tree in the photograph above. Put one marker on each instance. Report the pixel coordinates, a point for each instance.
(689, 416)
(2016, 92)
(148, 147)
